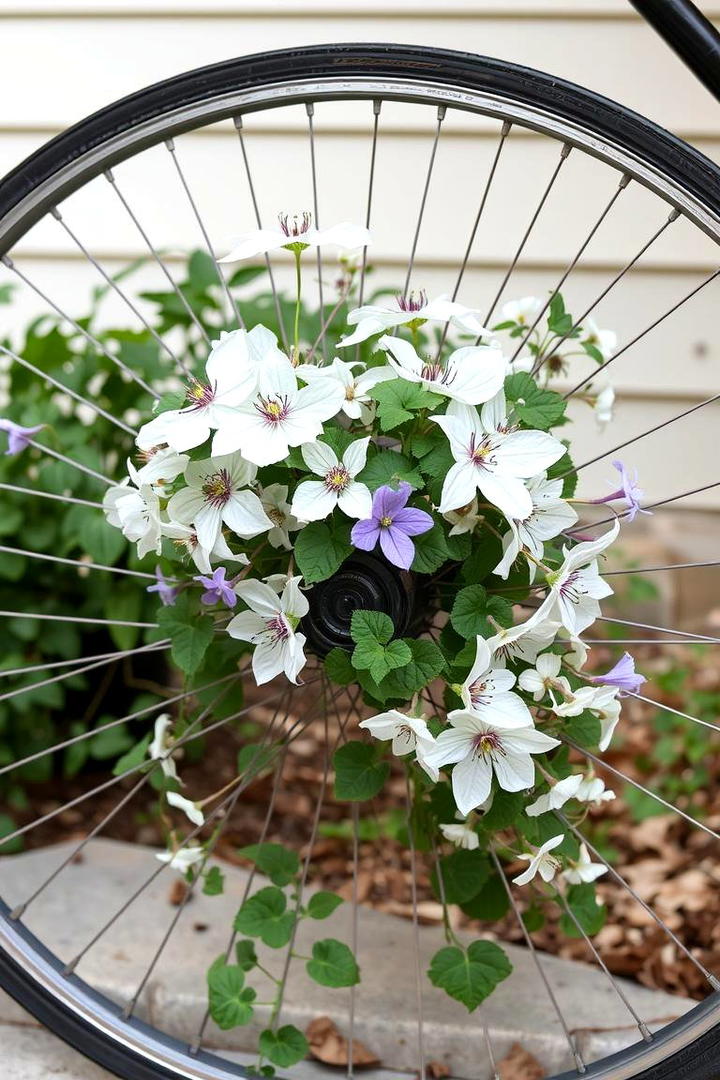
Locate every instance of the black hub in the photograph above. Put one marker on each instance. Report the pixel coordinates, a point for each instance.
(364, 582)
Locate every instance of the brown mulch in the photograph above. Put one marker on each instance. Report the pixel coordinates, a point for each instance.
(672, 866)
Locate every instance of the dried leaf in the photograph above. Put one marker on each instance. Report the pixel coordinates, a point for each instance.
(519, 1064)
(328, 1045)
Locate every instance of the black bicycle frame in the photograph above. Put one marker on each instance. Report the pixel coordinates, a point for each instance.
(689, 33)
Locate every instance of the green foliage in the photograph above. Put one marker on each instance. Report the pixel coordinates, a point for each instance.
(229, 1000)
(191, 632)
(322, 905)
(265, 915)
(321, 548)
(279, 863)
(333, 964)
(399, 400)
(283, 1047)
(473, 608)
(582, 901)
(359, 775)
(469, 975)
(374, 651)
(537, 408)
(214, 883)
(463, 875)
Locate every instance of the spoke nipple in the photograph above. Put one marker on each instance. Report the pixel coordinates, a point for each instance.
(310, 108)
(18, 912)
(128, 1010)
(238, 122)
(579, 1063)
(108, 174)
(194, 1047)
(625, 180)
(377, 106)
(7, 261)
(70, 968)
(56, 213)
(565, 151)
(505, 130)
(645, 1032)
(674, 214)
(714, 982)
(170, 144)
(442, 109)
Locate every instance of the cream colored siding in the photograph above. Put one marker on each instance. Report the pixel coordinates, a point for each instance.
(63, 60)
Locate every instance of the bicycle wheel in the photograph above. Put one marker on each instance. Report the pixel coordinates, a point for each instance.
(665, 192)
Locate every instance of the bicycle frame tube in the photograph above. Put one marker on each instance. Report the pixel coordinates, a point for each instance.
(686, 30)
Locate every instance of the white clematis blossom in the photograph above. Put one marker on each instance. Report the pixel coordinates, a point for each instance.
(185, 536)
(161, 468)
(604, 341)
(465, 519)
(522, 311)
(461, 836)
(577, 586)
(161, 745)
(550, 516)
(601, 700)
(477, 749)
(542, 862)
(230, 379)
(275, 504)
(356, 401)
(408, 734)
(296, 232)
(521, 642)
(183, 859)
(492, 457)
(137, 513)
(374, 318)
(487, 692)
(583, 870)
(278, 415)
(217, 492)
(270, 625)
(604, 407)
(592, 790)
(191, 810)
(557, 796)
(316, 499)
(544, 678)
(471, 375)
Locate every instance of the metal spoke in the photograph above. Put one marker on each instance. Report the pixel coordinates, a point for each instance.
(76, 619)
(72, 463)
(66, 390)
(416, 931)
(642, 1026)
(109, 176)
(50, 495)
(670, 566)
(674, 215)
(170, 147)
(574, 1050)
(238, 122)
(310, 110)
(675, 712)
(5, 673)
(377, 106)
(601, 763)
(642, 641)
(565, 151)
(97, 345)
(638, 337)
(660, 629)
(648, 506)
(624, 181)
(79, 563)
(714, 982)
(442, 109)
(108, 278)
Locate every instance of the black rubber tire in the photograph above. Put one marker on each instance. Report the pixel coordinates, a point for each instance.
(648, 142)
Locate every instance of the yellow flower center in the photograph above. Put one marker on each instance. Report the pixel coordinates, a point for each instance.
(386, 522)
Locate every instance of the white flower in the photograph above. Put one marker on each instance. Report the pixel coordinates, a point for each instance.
(480, 748)
(603, 340)
(374, 318)
(275, 504)
(296, 229)
(465, 519)
(593, 791)
(191, 810)
(231, 378)
(186, 537)
(486, 692)
(316, 499)
(356, 401)
(471, 375)
(270, 626)
(461, 836)
(603, 407)
(584, 869)
(183, 859)
(542, 862)
(577, 586)
(557, 796)
(521, 311)
(601, 700)
(278, 415)
(550, 516)
(544, 678)
(162, 467)
(408, 733)
(161, 745)
(137, 513)
(521, 642)
(217, 492)
(493, 459)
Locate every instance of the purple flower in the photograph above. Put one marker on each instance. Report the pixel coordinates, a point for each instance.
(18, 436)
(392, 523)
(623, 676)
(628, 490)
(166, 591)
(217, 588)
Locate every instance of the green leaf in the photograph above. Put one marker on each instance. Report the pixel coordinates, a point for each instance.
(7, 826)
(398, 401)
(584, 729)
(358, 773)
(170, 401)
(469, 976)
(133, 757)
(322, 904)
(490, 903)
(507, 806)
(431, 550)
(190, 632)
(333, 964)
(426, 664)
(214, 882)
(470, 611)
(265, 915)
(372, 631)
(201, 271)
(538, 408)
(389, 467)
(321, 550)
(371, 625)
(245, 954)
(589, 913)
(279, 863)
(560, 468)
(283, 1047)
(229, 1000)
(338, 667)
(463, 875)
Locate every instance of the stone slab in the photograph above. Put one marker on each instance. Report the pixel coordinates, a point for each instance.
(68, 915)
